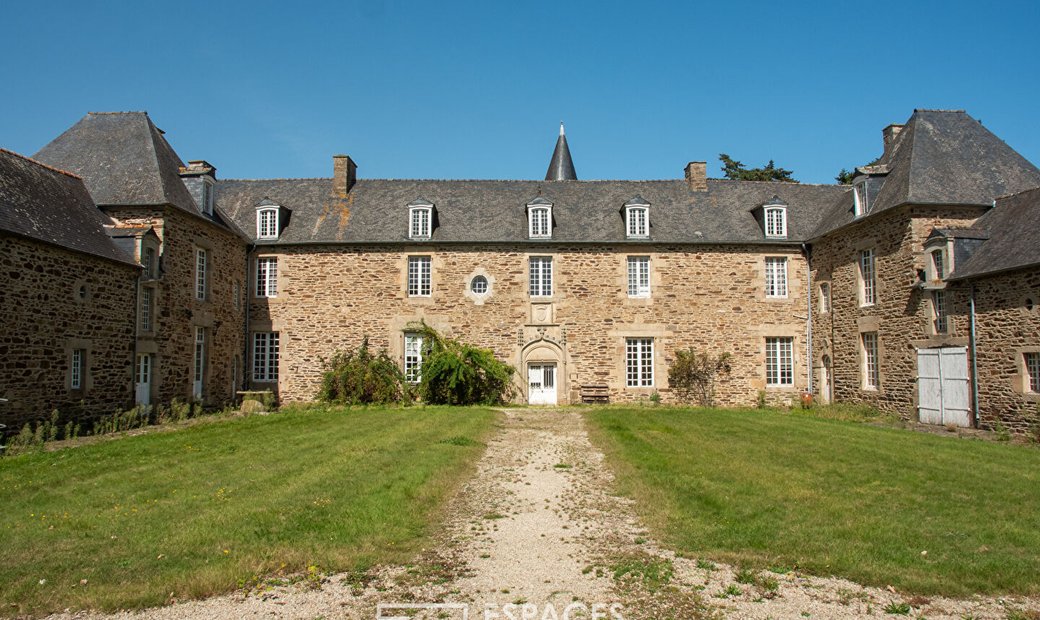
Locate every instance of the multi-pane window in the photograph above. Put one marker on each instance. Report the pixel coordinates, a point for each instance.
(639, 362)
(859, 205)
(871, 374)
(541, 276)
(637, 225)
(825, 297)
(200, 273)
(779, 362)
(79, 357)
(148, 260)
(419, 276)
(1033, 370)
(419, 222)
(638, 276)
(200, 358)
(939, 309)
(413, 344)
(867, 278)
(147, 304)
(776, 276)
(265, 357)
(776, 222)
(267, 224)
(267, 276)
(539, 221)
(207, 197)
(937, 264)
(236, 295)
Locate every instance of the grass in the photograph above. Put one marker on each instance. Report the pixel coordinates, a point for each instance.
(205, 509)
(882, 506)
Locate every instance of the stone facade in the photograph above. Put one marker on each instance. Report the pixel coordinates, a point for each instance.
(56, 301)
(710, 297)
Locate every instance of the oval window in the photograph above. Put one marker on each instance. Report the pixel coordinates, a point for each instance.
(479, 285)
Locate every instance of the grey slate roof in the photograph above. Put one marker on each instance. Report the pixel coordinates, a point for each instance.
(1014, 237)
(942, 157)
(561, 167)
(52, 206)
(376, 211)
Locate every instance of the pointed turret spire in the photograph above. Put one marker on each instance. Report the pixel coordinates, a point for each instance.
(561, 168)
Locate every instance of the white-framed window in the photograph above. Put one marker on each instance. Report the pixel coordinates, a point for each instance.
(638, 276)
(859, 199)
(776, 221)
(871, 371)
(867, 278)
(420, 276)
(825, 297)
(780, 362)
(776, 276)
(267, 223)
(77, 368)
(265, 357)
(200, 273)
(541, 276)
(236, 295)
(200, 356)
(267, 276)
(941, 321)
(639, 362)
(1032, 361)
(420, 221)
(413, 357)
(938, 268)
(479, 285)
(147, 305)
(148, 260)
(539, 222)
(207, 196)
(637, 221)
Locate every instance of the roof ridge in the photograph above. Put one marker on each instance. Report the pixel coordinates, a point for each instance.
(951, 111)
(40, 163)
(779, 183)
(145, 112)
(280, 179)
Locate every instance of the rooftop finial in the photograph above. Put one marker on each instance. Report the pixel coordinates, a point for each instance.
(561, 128)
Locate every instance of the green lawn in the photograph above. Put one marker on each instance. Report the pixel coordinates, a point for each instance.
(829, 497)
(204, 509)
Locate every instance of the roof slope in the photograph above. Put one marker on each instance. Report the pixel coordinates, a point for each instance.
(123, 158)
(942, 157)
(1014, 237)
(52, 206)
(376, 210)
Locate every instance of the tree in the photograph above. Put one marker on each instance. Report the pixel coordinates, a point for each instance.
(455, 373)
(736, 171)
(694, 375)
(360, 377)
(845, 176)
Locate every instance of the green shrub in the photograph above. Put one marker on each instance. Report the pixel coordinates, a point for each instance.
(455, 373)
(693, 376)
(360, 377)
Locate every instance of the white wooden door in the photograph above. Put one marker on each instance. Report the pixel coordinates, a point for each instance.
(942, 386)
(200, 361)
(541, 384)
(143, 385)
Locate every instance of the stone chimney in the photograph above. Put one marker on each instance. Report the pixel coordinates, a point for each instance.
(697, 175)
(890, 133)
(344, 174)
(198, 168)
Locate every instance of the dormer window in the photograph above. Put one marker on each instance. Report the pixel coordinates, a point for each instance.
(420, 220)
(776, 221)
(938, 267)
(207, 196)
(539, 219)
(267, 223)
(859, 198)
(637, 218)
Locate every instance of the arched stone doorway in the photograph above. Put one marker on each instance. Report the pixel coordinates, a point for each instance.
(543, 373)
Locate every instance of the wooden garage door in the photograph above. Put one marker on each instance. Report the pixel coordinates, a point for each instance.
(942, 384)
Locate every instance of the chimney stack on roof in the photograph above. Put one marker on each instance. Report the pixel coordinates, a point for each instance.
(199, 168)
(697, 175)
(344, 174)
(890, 133)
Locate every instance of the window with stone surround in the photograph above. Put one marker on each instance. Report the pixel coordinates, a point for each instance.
(776, 276)
(265, 357)
(1032, 361)
(267, 223)
(77, 369)
(639, 362)
(638, 276)
(637, 221)
(207, 196)
(420, 276)
(413, 357)
(149, 262)
(147, 308)
(939, 318)
(859, 199)
(938, 272)
(871, 369)
(780, 362)
(200, 273)
(776, 222)
(420, 220)
(867, 278)
(541, 276)
(825, 297)
(267, 276)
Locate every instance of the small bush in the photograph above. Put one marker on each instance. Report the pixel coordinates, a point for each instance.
(455, 373)
(694, 375)
(360, 377)
(898, 609)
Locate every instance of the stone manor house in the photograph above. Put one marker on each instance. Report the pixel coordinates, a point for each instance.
(131, 277)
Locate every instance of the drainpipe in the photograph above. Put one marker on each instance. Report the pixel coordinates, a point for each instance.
(974, 361)
(245, 326)
(808, 320)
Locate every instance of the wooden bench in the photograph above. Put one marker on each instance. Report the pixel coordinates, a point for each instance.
(595, 394)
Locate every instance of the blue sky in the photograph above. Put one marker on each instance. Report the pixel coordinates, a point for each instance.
(477, 89)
